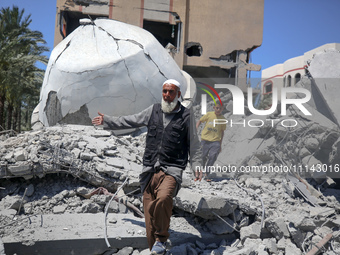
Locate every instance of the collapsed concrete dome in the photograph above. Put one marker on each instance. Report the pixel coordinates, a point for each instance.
(106, 66)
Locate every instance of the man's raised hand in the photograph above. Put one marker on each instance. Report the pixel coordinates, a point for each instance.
(99, 120)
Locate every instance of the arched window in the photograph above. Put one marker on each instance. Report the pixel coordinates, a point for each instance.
(268, 87)
(289, 81)
(297, 78)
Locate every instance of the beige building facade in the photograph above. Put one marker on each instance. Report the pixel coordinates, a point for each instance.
(211, 40)
(290, 72)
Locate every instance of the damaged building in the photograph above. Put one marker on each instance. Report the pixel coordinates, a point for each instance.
(321, 84)
(207, 39)
(100, 47)
(107, 66)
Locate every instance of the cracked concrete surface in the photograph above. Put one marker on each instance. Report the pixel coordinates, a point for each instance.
(105, 66)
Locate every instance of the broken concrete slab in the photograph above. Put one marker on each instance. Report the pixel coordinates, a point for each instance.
(203, 205)
(77, 233)
(21, 169)
(84, 233)
(277, 227)
(324, 68)
(252, 231)
(296, 234)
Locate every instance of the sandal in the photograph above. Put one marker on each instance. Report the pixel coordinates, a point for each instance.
(206, 178)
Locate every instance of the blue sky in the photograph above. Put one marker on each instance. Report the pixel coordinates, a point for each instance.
(291, 27)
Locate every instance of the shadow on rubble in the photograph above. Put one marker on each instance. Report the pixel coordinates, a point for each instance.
(186, 227)
(38, 188)
(135, 222)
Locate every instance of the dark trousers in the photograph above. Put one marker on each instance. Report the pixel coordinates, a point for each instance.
(157, 202)
(210, 151)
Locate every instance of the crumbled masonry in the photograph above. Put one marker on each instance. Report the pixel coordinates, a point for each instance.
(56, 182)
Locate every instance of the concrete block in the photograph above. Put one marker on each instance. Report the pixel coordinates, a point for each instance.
(270, 243)
(240, 142)
(277, 227)
(303, 152)
(306, 224)
(296, 234)
(100, 133)
(203, 205)
(59, 209)
(20, 155)
(86, 156)
(115, 162)
(21, 169)
(89, 207)
(109, 170)
(76, 152)
(264, 155)
(111, 153)
(252, 231)
(311, 144)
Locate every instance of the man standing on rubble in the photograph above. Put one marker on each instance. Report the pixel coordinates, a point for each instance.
(171, 137)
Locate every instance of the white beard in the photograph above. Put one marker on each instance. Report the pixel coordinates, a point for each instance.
(169, 107)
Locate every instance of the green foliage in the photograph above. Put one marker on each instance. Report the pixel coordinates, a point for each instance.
(20, 79)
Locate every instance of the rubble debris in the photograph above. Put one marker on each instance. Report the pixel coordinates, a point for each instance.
(288, 211)
(55, 152)
(319, 245)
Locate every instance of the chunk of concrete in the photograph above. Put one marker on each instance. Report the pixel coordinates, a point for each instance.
(277, 227)
(297, 236)
(203, 205)
(324, 68)
(21, 169)
(252, 231)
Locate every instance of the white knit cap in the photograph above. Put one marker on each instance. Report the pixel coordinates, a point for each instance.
(172, 81)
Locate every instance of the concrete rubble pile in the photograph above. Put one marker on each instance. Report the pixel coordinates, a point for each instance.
(244, 214)
(50, 176)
